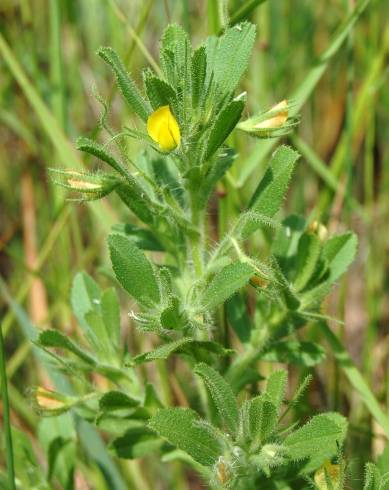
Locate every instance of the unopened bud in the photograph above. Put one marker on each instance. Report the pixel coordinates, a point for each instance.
(90, 186)
(259, 281)
(221, 470)
(50, 403)
(327, 472)
(271, 123)
(319, 229)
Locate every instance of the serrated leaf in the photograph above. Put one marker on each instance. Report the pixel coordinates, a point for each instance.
(232, 55)
(56, 339)
(126, 85)
(295, 352)
(133, 270)
(136, 442)
(222, 395)
(268, 196)
(182, 428)
(317, 440)
(225, 122)
(225, 283)
(116, 400)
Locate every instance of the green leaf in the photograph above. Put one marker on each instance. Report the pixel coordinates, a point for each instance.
(176, 41)
(263, 417)
(102, 342)
(172, 317)
(86, 300)
(222, 395)
(375, 479)
(93, 148)
(276, 386)
(308, 253)
(199, 71)
(186, 345)
(142, 237)
(217, 170)
(232, 56)
(135, 198)
(116, 400)
(126, 85)
(238, 317)
(295, 352)
(317, 440)
(182, 428)
(29, 472)
(133, 270)
(338, 252)
(56, 339)
(159, 92)
(225, 122)
(110, 311)
(225, 283)
(136, 442)
(56, 447)
(267, 198)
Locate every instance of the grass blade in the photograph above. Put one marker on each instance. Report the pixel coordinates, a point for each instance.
(6, 417)
(355, 377)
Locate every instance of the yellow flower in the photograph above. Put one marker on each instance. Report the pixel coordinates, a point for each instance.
(333, 474)
(163, 128)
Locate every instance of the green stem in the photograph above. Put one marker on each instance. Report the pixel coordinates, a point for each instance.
(196, 244)
(6, 417)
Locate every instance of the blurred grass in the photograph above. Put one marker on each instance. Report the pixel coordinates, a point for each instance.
(48, 69)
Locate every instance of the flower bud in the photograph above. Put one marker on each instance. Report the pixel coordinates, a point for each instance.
(271, 123)
(91, 186)
(51, 403)
(163, 128)
(327, 472)
(221, 470)
(319, 229)
(259, 281)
